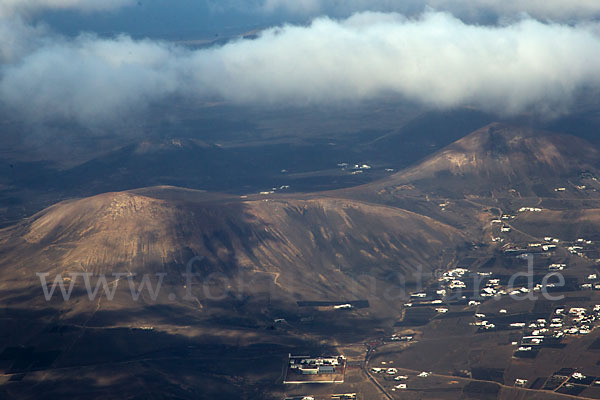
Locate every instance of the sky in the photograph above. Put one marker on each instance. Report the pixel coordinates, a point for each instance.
(94, 62)
(471, 10)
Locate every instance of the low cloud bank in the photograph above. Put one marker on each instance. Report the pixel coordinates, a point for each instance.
(435, 59)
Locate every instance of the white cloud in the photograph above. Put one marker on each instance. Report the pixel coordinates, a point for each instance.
(92, 80)
(437, 60)
(18, 39)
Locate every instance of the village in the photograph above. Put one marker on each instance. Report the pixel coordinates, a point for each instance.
(536, 293)
(539, 270)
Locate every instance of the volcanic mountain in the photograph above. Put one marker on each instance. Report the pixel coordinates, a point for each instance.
(310, 248)
(498, 160)
(253, 259)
